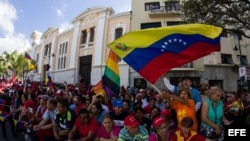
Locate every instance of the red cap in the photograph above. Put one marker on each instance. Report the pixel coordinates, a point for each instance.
(158, 121)
(165, 112)
(28, 103)
(131, 121)
(59, 92)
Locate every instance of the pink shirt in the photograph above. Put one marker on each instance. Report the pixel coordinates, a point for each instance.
(104, 134)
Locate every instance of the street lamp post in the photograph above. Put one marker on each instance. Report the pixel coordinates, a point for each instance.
(242, 68)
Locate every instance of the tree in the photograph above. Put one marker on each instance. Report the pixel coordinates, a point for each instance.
(232, 15)
(17, 63)
(3, 68)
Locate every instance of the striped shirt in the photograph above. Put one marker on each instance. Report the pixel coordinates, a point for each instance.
(125, 136)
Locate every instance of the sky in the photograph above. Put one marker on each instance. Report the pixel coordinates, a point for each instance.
(19, 18)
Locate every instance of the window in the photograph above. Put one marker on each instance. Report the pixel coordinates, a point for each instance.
(63, 48)
(150, 25)
(83, 37)
(242, 59)
(62, 55)
(47, 49)
(64, 62)
(172, 5)
(66, 47)
(226, 59)
(152, 6)
(171, 23)
(118, 34)
(92, 34)
(59, 62)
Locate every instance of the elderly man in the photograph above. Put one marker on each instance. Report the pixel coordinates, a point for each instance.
(132, 130)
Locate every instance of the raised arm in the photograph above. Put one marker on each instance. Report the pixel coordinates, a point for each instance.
(168, 85)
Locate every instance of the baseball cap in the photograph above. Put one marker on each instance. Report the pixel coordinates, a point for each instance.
(28, 104)
(158, 121)
(44, 97)
(59, 92)
(131, 121)
(117, 103)
(165, 112)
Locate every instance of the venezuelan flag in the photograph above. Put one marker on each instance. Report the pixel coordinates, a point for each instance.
(153, 52)
(48, 80)
(111, 77)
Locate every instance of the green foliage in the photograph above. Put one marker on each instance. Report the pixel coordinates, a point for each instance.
(14, 62)
(232, 15)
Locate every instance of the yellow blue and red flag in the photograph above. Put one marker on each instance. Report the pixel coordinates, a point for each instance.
(48, 80)
(155, 51)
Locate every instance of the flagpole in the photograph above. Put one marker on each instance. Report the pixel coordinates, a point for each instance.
(157, 89)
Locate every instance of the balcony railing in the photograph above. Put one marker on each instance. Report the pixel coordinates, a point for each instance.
(156, 10)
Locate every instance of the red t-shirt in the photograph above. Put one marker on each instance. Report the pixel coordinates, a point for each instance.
(84, 130)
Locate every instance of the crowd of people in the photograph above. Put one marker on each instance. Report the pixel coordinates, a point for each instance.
(67, 112)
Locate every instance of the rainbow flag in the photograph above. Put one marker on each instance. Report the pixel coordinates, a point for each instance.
(153, 52)
(111, 76)
(98, 88)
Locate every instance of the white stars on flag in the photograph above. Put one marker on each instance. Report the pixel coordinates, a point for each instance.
(175, 42)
